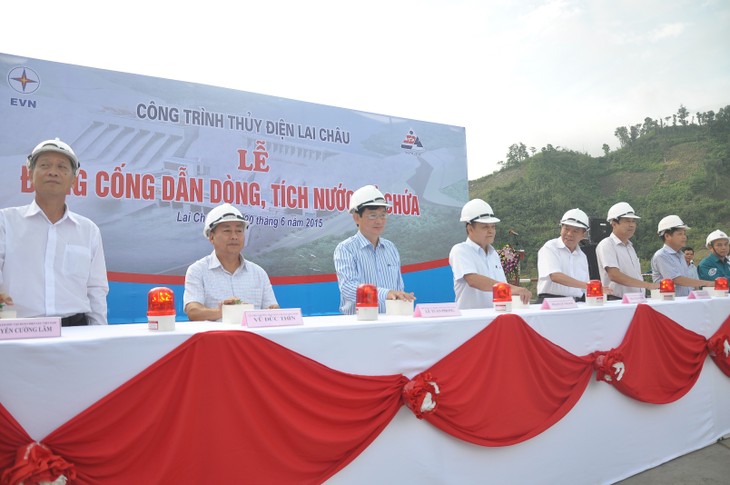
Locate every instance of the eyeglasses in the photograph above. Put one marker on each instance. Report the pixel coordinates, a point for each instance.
(372, 216)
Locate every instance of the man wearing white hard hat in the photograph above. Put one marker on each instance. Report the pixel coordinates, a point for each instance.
(367, 258)
(475, 263)
(224, 276)
(51, 259)
(562, 268)
(716, 264)
(668, 262)
(618, 263)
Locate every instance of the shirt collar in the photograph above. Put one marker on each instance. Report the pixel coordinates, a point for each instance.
(477, 247)
(618, 242)
(363, 241)
(34, 209)
(216, 263)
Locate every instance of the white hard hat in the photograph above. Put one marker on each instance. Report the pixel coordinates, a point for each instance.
(670, 222)
(714, 236)
(222, 213)
(367, 196)
(576, 218)
(56, 146)
(622, 209)
(476, 210)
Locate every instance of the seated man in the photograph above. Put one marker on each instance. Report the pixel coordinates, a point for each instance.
(618, 263)
(562, 268)
(367, 258)
(716, 264)
(51, 259)
(224, 276)
(668, 262)
(475, 263)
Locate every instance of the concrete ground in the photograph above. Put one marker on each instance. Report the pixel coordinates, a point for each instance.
(708, 466)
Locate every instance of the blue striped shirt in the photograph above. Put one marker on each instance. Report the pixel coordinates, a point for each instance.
(669, 264)
(358, 262)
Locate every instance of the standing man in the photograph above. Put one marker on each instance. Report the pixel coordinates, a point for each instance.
(716, 264)
(618, 263)
(689, 255)
(475, 263)
(224, 276)
(562, 268)
(367, 258)
(668, 262)
(51, 259)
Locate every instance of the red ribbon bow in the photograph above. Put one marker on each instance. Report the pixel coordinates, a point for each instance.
(608, 365)
(420, 394)
(35, 463)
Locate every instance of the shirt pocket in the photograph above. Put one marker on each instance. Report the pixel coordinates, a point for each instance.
(77, 262)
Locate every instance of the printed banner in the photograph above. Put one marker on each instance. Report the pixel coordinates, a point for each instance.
(157, 154)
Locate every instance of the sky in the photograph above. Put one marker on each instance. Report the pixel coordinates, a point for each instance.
(559, 72)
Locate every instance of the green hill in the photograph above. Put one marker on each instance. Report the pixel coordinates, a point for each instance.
(680, 168)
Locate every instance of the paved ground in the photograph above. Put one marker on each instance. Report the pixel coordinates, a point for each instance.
(708, 466)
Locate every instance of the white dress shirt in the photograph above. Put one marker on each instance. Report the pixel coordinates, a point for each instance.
(207, 282)
(52, 269)
(469, 258)
(612, 253)
(555, 257)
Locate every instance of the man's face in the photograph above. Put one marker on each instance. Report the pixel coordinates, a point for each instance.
(228, 238)
(52, 174)
(689, 255)
(571, 236)
(482, 233)
(676, 240)
(721, 248)
(625, 228)
(371, 222)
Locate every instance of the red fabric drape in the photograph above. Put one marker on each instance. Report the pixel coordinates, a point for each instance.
(12, 437)
(506, 385)
(229, 407)
(662, 360)
(719, 347)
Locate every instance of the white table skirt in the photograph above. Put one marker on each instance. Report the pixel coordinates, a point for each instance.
(604, 438)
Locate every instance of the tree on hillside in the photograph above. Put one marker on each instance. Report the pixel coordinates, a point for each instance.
(682, 114)
(517, 153)
(634, 133)
(606, 149)
(622, 133)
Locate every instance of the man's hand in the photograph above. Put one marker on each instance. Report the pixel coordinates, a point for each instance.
(400, 295)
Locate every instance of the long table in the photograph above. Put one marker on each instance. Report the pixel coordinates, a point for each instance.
(606, 437)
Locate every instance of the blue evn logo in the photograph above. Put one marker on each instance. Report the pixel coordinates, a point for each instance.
(23, 103)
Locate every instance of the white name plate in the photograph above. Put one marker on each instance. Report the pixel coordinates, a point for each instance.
(699, 295)
(558, 303)
(430, 310)
(635, 298)
(40, 327)
(280, 317)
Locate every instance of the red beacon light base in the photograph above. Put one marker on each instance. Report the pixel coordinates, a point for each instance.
(366, 305)
(665, 291)
(161, 309)
(594, 293)
(502, 293)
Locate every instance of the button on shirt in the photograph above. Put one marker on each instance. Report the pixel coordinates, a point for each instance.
(669, 264)
(52, 269)
(358, 262)
(555, 257)
(469, 258)
(207, 282)
(713, 267)
(612, 253)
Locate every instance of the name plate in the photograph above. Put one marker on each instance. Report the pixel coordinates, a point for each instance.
(699, 295)
(633, 298)
(430, 310)
(40, 327)
(558, 303)
(281, 317)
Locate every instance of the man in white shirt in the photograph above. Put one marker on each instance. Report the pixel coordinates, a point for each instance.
(52, 259)
(475, 263)
(562, 267)
(618, 263)
(224, 276)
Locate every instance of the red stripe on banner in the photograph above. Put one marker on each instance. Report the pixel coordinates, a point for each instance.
(275, 280)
